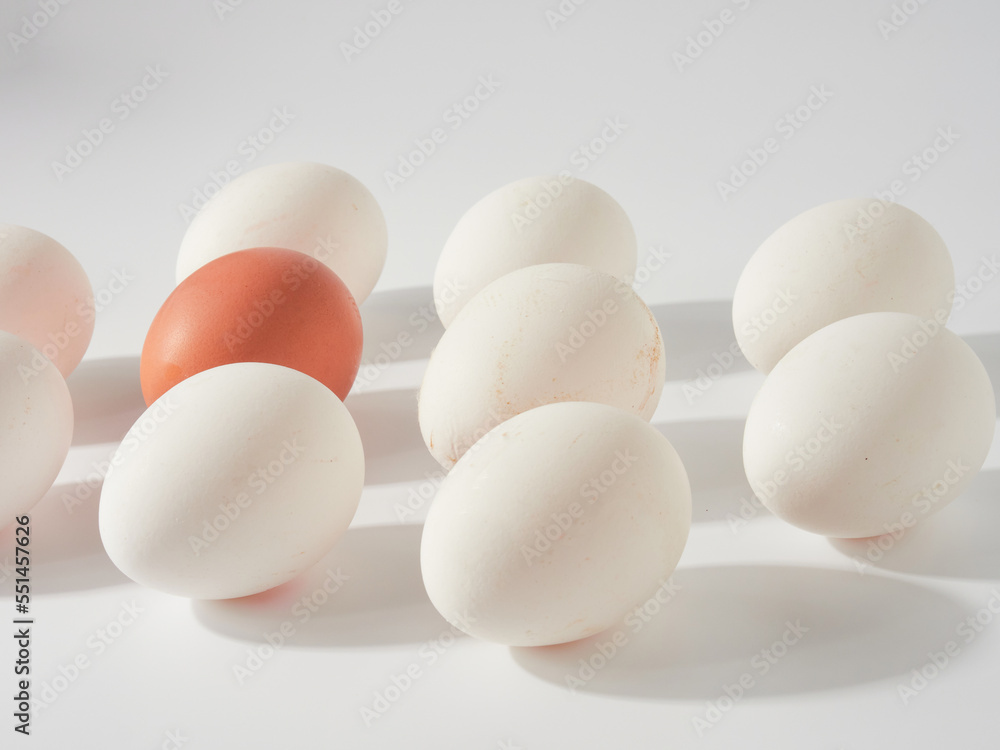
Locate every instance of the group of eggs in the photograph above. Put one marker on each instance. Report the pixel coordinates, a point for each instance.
(563, 507)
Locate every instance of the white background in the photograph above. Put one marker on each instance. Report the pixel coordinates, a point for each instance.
(119, 211)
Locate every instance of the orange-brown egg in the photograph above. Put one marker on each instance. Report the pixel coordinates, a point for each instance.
(260, 305)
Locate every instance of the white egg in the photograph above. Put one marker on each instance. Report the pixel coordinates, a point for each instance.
(546, 333)
(233, 482)
(36, 425)
(45, 296)
(555, 525)
(554, 219)
(869, 425)
(836, 260)
(313, 208)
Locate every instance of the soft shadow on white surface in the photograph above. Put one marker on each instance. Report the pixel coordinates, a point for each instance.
(987, 348)
(394, 449)
(107, 399)
(712, 452)
(693, 333)
(958, 541)
(382, 600)
(66, 549)
(862, 628)
(407, 313)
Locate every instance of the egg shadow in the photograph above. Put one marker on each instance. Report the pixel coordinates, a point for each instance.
(693, 332)
(861, 629)
(390, 434)
(381, 599)
(107, 399)
(987, 348)
(712, 453)
(386, 316)
(65, 542)
(958, 541)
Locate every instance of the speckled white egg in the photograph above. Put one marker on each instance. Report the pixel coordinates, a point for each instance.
(869, 425)
(552, 219)
(313, 208)
(839, 259)
(555, 525)
(233, 482)
(541, 334)
(45, 296)
(36, 425)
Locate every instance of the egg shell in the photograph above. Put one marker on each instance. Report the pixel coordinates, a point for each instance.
(859, 421)
(546, 333)
(45, 296)
(233, 482)
(313, 208)
(548, 219)
(36, 425)
(555, 525)
(839, 259)
(258, 305)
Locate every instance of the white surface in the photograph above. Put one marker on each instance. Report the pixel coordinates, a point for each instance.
(172, 668)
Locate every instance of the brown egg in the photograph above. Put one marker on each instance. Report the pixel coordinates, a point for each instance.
(260, 305)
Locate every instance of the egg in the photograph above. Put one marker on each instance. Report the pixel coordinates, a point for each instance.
(869, 425)
(36, 425)
(836, 260)
(313, 208)
(257, 305)
(551, 219)
(541, 334)
(231, 483)
(45, 296)
(555, 525)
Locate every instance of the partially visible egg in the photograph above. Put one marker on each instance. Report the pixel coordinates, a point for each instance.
(545, 333)
(258, 305)
(36, 425)
(869, 425)
(555, 525)
(313, 208)
(836, 260)
(550, 219)
(45, 296)
(231, 483)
